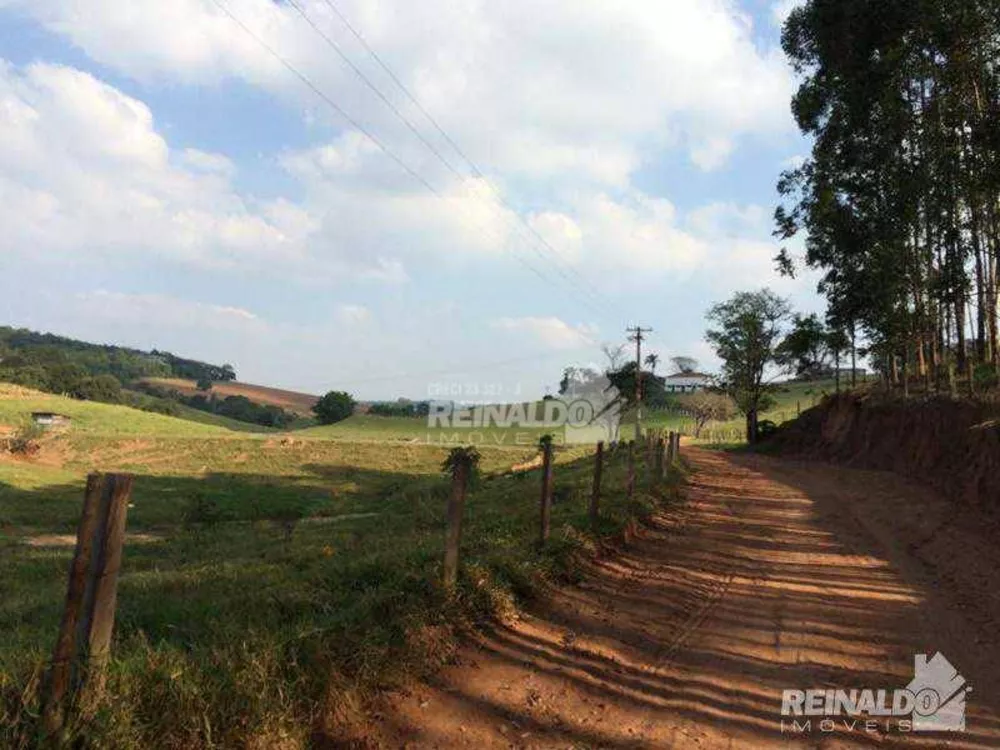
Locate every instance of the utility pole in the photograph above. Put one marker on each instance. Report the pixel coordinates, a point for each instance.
(636, 335)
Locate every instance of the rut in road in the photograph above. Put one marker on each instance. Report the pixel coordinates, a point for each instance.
(767, 575)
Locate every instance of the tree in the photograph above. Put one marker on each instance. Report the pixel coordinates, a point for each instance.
(684, 365)
(652, 359)
(333, 407)
(749, 328)
(105, 388)
(204, 384)
(838, 342)
(805, 351)
(707, 406)
(653, 386)
(577, 378)
(898, 199)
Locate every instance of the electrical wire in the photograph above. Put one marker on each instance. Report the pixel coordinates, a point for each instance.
(560, 268)
(382, 146)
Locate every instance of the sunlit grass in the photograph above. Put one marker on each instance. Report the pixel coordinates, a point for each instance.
(275, 574)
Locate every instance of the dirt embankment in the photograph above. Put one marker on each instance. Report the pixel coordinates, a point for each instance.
(952, 445)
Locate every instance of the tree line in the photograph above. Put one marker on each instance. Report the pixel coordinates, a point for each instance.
(899, 200)
(95, 372)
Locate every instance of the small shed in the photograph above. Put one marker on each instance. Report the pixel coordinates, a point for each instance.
(49, 419)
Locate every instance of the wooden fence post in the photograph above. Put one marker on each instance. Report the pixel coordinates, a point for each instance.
(546, 501)
(95, 629)
(677, 448)
(76, 677)
(456, 510)
(650, 457)
(595, 495)
(61, 671)
(658, 460)
(630, 479)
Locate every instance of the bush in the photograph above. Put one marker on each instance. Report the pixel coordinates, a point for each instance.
(765, 429)
(24, 441)
(334, 407)
(104, 388)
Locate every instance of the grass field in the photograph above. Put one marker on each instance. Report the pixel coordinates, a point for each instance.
(789, 398)
(270, 582)
(90, 418)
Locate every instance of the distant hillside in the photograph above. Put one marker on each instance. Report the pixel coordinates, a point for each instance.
(114, 375)
(57, 364)
(298, 403)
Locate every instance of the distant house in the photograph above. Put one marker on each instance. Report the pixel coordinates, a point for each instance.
(686, 382)
(49, 419)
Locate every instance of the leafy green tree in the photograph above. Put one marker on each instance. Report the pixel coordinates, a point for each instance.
(334, 407)
(749, 327)
(105, 388)
(898, 199)
(838, 342)
(805, 350)
(706, 406)
(66, 378)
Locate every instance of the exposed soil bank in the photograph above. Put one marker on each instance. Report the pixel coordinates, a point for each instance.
(952, 445)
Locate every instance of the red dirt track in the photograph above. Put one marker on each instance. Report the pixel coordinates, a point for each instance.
(769, 574)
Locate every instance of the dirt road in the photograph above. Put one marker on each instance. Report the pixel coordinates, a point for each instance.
(768, 575)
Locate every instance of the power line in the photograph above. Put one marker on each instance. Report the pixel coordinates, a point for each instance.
(361, 128)
(476, 171)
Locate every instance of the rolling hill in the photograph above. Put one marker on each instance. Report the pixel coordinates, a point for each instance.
(299, 403)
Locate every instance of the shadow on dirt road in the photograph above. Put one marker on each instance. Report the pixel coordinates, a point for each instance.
(769, 575)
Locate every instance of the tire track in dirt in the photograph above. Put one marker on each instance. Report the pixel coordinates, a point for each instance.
(759, 580)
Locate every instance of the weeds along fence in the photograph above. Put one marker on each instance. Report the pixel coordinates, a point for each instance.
(74, 684)
(661, 451)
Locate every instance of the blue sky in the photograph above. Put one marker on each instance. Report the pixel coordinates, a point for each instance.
(167, 183)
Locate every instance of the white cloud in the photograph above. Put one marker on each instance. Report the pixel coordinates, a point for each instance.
(353, 314)
(636, 232)
(83, 171)
(206, 162)
(782, 9)
(164, 311)
(793, 162)
(711, 153)
(553, 90)
(718, 220)
(551, 331)
(561, 232)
